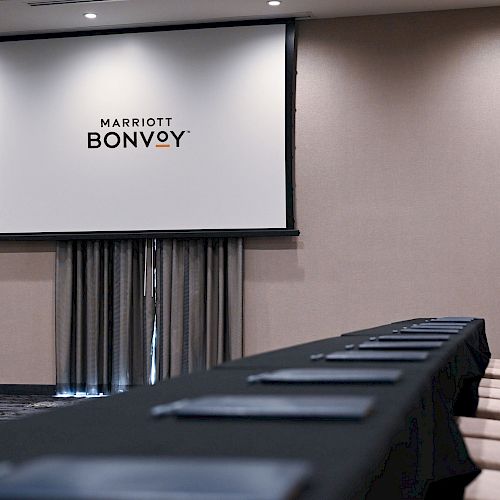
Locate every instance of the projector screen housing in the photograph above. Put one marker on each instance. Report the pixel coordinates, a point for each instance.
(183, 131)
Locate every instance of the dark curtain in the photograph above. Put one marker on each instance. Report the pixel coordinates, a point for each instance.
(131, 312)
(200, 304)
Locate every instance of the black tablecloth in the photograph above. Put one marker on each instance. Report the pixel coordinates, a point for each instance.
(408, 448)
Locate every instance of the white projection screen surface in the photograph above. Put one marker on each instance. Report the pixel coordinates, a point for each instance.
(145, 131)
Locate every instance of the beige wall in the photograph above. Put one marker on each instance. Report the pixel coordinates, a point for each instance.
(397, 180)
(397, 192)
(27, 313)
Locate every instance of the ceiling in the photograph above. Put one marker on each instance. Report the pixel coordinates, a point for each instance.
(18, 16)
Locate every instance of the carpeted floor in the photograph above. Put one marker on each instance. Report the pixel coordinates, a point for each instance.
(19, 406)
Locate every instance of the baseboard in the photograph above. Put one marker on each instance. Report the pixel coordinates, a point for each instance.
(21, 389)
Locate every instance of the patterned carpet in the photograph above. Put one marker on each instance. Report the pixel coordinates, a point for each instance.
(12, 407)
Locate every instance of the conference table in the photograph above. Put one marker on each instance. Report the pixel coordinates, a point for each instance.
(408, 447)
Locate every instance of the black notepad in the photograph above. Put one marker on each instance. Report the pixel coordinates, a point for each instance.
(327, 376)
(410, 337)
(429, 330)
(120, 478)
(454, 319)
(270, 407)
(377, 356)
(452, 326)
(400, 345)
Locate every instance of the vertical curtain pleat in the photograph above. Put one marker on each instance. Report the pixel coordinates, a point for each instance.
(105, 319)
(114, 297)
(79, 330)
(177, 309)
(122, 286)
(215, 303)
(64, 317)
(164, 311)
(196, 306)
(234, 307)
(149, 307)
(136, 334)
(93, 303)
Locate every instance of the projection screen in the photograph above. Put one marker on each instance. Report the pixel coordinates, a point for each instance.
(145, 131)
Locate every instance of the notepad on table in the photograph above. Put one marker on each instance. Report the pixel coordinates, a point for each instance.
(454, 319)
(327, 376)
(413, 337)
(429, 330)
(377, 356)
(452, 326)
(400, 345)
(268, 406)
(155, 478)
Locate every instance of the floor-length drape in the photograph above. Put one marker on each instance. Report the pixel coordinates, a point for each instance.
(132, 312)
(200, 304)
(103, 316)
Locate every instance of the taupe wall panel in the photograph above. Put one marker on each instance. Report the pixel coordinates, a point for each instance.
(27, 352)
(397, 180)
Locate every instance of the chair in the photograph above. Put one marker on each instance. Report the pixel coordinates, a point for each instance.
(485, 487)
(488, 408)
(492, 372)
(485, 452)
(490, 382)
(489, 392)
(479, 427)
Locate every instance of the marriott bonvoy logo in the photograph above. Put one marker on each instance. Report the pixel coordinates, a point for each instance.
(136, 133)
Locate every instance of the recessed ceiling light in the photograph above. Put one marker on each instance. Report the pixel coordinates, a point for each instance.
(274, 3)
(90, 15)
